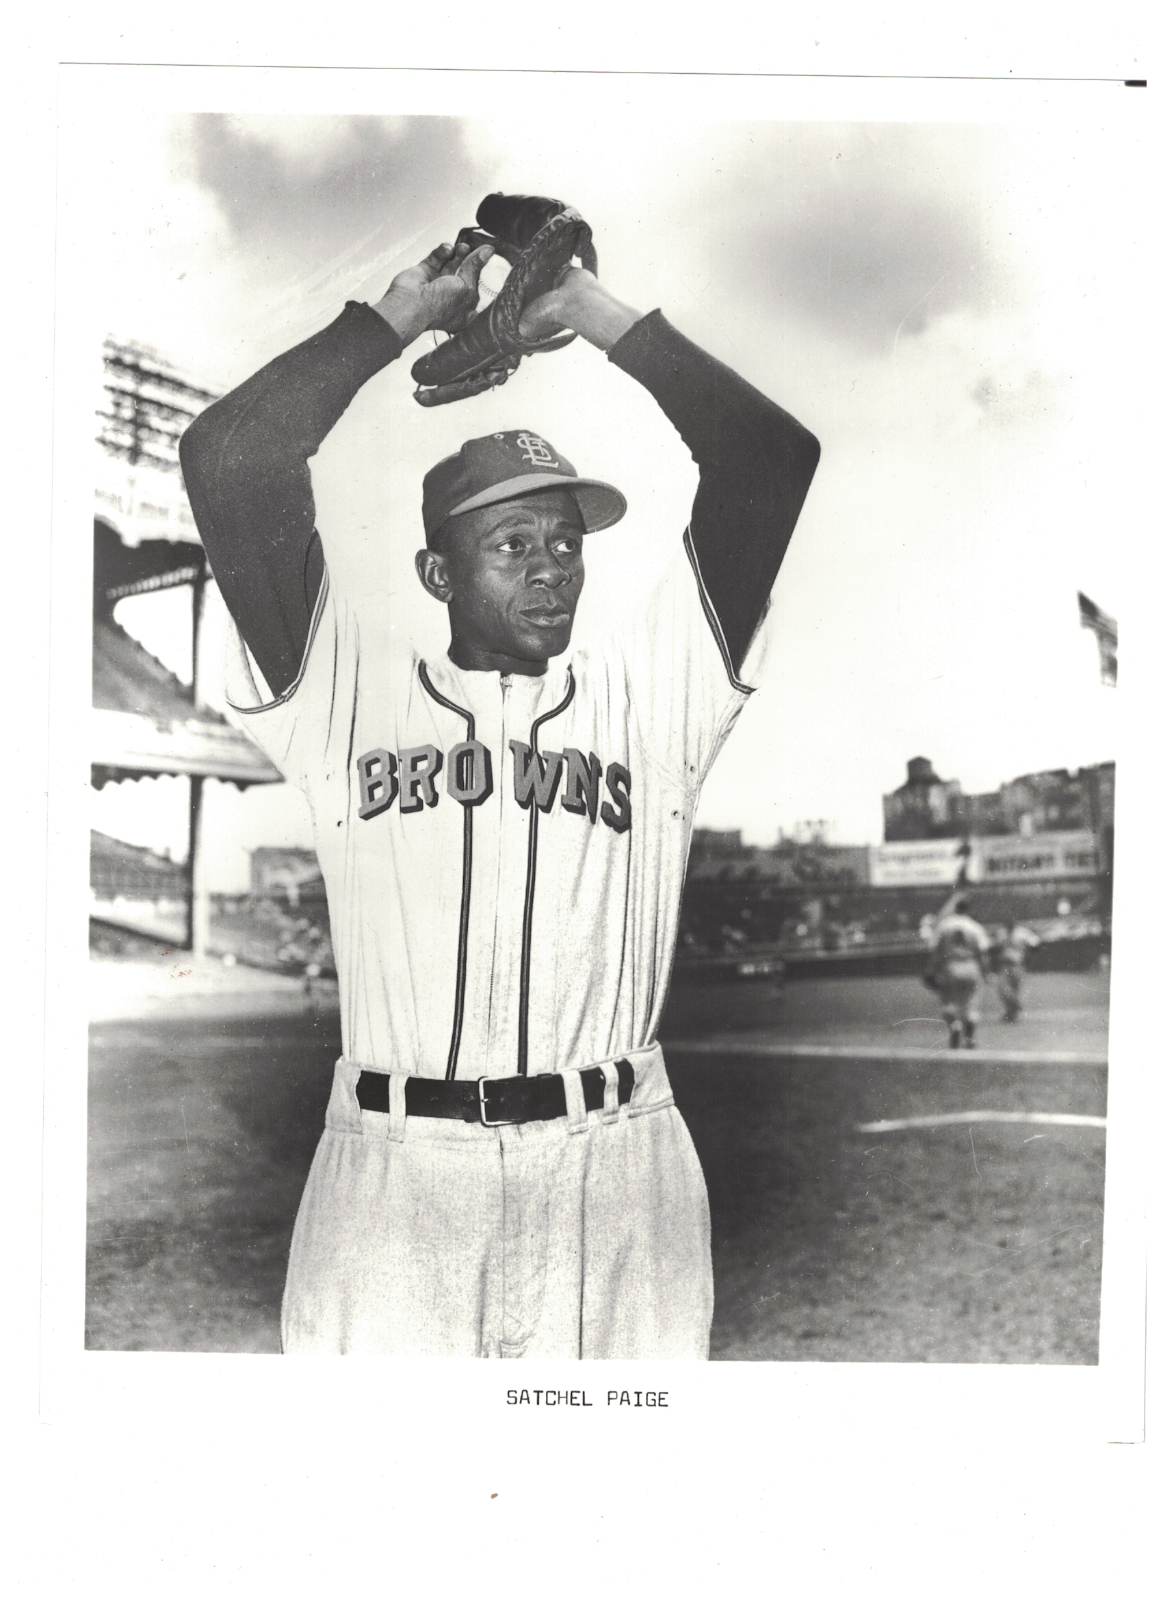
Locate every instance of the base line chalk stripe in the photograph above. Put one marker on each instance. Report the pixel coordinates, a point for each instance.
(945, 1119)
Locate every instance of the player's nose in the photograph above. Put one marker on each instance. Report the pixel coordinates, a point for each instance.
(545, 569)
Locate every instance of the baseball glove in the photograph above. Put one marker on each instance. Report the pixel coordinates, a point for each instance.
(538, 237)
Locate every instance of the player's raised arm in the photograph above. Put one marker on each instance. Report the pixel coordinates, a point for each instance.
(755, 461)
(245, 458)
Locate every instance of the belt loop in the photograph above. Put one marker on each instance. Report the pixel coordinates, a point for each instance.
(610, 1107)
(397, 1105)
(343, 1113)
(575, 1101)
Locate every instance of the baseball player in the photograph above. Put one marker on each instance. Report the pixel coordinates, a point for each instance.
(503, 830)
(957, 969)
(1009, 962)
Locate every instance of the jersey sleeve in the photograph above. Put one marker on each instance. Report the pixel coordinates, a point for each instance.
(301, 728)
(683, 691)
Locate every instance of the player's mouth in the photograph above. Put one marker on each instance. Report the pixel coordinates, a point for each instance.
(548, 616)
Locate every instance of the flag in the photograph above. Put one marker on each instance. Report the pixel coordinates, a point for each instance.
(1106, 631)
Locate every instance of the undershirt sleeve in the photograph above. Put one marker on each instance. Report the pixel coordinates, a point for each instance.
(755, 462)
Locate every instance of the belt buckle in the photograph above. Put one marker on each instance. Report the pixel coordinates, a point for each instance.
(502, 1122)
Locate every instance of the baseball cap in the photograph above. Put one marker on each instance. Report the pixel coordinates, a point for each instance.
(505, 466)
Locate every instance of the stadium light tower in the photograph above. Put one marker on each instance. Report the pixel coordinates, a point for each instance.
(144, 411)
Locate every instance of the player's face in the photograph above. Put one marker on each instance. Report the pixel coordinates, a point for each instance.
(511, 576)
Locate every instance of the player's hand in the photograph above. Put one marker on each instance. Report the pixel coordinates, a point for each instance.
(439, 292)
(578, 301)
(549, 313)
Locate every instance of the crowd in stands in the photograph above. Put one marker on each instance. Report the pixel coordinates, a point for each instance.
(267, 931)
(718, 922)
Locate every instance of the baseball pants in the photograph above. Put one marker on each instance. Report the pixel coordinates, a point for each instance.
(1009, 988)
(960, 985)
(587, 1236)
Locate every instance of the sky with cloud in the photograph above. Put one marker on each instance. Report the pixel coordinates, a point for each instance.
(940, 303)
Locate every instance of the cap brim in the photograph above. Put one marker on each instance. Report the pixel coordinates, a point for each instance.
(600, 504)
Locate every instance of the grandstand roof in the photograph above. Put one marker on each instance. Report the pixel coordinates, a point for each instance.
(121, 569)
(144, 723)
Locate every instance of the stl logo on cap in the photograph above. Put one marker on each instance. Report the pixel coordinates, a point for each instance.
(535, 450)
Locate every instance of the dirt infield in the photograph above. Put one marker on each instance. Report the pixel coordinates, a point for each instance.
(977, 1242)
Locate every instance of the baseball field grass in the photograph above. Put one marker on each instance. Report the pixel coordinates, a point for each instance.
(978, 1241)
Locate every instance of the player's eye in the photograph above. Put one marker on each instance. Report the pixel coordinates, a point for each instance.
(513, 543)
(568, 542)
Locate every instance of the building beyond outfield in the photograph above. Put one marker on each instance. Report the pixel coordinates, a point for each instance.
(1041, 826)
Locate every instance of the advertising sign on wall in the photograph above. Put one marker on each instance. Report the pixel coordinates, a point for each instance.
(920, 861)
(1011, 858)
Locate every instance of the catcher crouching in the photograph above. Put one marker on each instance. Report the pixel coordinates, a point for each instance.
(503, 831)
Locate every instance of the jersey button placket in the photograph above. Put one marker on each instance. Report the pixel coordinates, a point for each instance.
(501, 1047)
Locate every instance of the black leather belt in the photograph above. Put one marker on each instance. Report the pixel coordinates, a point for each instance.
(493, 1101)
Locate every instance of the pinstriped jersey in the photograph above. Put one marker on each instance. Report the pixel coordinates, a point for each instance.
(504, 856)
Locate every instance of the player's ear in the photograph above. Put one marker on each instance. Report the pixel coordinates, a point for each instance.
(432, 571)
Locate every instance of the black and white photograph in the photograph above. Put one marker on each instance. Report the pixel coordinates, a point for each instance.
(597, 630)
(710, 961)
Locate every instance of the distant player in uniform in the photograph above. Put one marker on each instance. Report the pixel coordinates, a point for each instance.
(503, 830)
(1009, 962)
(957, 969)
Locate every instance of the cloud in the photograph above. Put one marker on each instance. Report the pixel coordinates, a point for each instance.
(297, 180)
(871, 231)
(863, 235)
